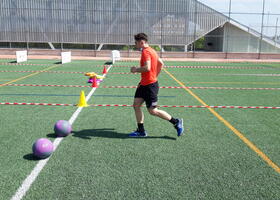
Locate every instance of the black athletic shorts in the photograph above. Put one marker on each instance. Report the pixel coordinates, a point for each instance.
(148, 93)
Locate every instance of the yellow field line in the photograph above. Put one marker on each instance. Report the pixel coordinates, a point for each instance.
(235, 131)
(51, 67)
(252, 83)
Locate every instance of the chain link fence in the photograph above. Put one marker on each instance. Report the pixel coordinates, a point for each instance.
(178, 25)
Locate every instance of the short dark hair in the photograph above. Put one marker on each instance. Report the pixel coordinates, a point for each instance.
(141, 36)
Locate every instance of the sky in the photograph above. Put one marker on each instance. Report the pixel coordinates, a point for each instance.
(253, 20)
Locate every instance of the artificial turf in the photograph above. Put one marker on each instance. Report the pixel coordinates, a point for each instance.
(99, 161)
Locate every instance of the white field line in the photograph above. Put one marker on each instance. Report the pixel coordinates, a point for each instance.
(26, 184)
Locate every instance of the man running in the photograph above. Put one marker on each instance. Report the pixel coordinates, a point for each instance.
(147, 90)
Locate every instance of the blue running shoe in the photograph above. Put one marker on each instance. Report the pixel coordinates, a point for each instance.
(180, 127)
(138, 134)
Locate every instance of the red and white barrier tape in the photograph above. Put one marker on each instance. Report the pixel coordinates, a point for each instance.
(56, 72)
(246, 74)
(37, 104)
(265, 75)
(215, 88)
(215, 67)
(38, 85)
(165, 87)
(125, 105)
(207, 67)
(24, 64)
(129, 73)
(167, 106)
(123, 73)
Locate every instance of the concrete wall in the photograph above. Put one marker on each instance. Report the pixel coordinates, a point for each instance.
(214, 40)
(237, 40)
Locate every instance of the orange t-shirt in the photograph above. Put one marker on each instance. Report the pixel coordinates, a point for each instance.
(149, 54)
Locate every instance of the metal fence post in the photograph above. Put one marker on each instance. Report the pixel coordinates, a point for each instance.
(260, 41)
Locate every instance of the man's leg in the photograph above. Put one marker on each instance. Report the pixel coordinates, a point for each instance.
(140, 132)
(159, 113)
(138, 102)
(178, 123)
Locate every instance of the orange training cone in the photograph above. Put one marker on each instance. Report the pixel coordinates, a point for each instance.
(104, 70)
(94, 82)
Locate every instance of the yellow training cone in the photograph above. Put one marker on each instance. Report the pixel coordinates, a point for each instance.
(82, 101)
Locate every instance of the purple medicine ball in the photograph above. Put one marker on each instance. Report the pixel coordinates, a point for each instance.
(42, 148)
(62, 128)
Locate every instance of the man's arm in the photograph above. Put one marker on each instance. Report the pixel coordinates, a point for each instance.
(160, 65)
(145, 68)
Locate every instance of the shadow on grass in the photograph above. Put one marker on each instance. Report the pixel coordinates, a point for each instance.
(51, 135)
(110, 133)
(30, 156)
(108, 63)
(56, 63)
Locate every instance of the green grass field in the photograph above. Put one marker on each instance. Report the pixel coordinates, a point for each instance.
(99, 161)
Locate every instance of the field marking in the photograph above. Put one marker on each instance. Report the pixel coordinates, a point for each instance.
(206, 67)
(261, 75)
(220, 74)
(26, 184)
(250, 83)
(129, 73)
(25, 64)
(126, 105)
(24, 77)
(129, 87)
(42, 71)
(233, 129)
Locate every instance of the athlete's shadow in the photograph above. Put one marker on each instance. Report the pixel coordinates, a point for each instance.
(110, 133)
